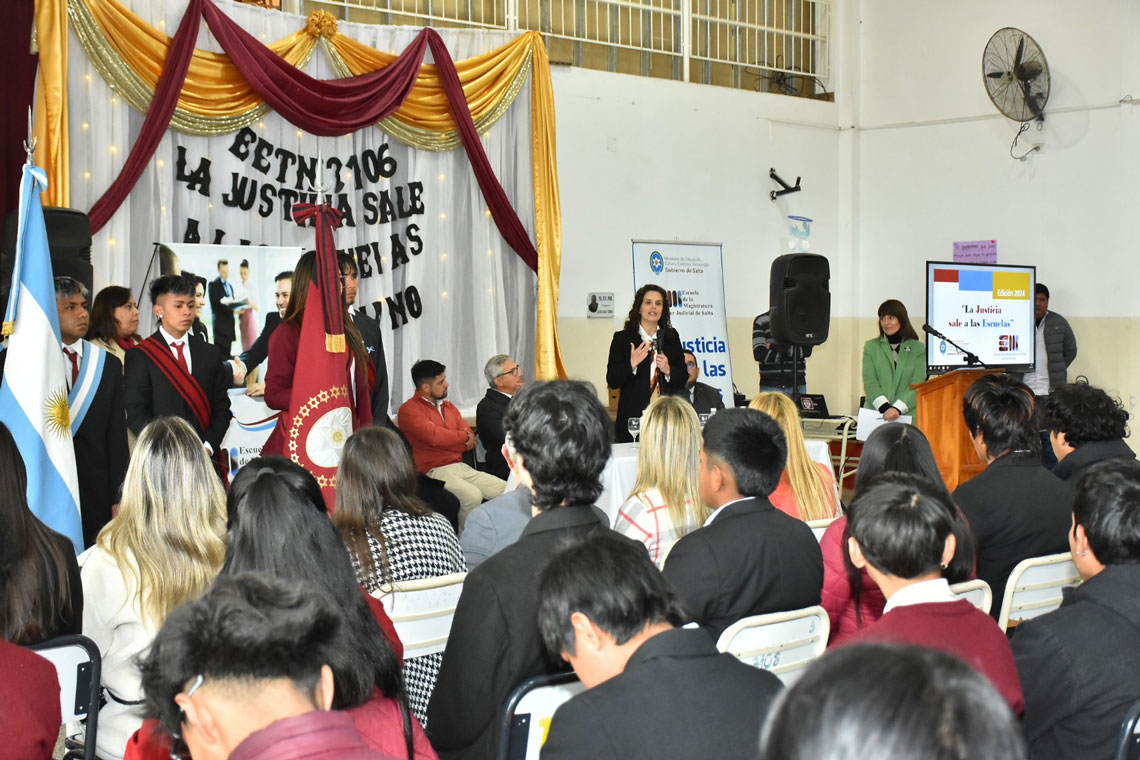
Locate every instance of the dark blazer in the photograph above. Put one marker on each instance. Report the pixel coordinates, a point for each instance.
(1016, 509)
(752, 559)
(677, 698)
(149, 395)
(705, 398)
(258, 352)
(634, 386)
(489, 423)
(1087, 454)
(494, 642)
(1080, 667)
(223, 317)
(369, 328)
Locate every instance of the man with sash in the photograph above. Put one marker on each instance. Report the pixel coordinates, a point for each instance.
(95, 403)
(174, 374)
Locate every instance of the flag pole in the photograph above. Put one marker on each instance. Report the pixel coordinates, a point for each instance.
(30, 143)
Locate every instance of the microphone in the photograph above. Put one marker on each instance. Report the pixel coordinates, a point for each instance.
(931, 331)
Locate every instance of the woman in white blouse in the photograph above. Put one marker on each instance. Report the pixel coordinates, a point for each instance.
(162, 549)
(666, 500)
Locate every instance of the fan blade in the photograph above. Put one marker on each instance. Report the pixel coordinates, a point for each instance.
(1030, 70)
(1020, 50)
(1030, 101)
(997, 74)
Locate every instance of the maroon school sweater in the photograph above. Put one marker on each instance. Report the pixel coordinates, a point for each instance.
(958, 628)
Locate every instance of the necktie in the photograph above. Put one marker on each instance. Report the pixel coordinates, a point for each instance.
(74, 357)
(181, 356)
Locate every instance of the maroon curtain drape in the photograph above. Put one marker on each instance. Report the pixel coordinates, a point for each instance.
(16, 96)
(322, 107)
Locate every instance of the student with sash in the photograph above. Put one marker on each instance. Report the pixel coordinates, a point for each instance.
(173, 374)
(95, 400)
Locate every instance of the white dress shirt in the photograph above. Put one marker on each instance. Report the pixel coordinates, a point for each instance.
(716, 512)
(923, 592)
(184, 340)
(77, 347)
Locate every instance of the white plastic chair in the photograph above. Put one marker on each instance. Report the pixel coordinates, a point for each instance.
(421, 611)
(977, 591)
(526, 715)
(819, 527)
(1034, 587)
(780, 642)
(77, 666)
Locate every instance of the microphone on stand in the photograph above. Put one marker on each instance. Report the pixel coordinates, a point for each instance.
(931, 331)
(971, 358)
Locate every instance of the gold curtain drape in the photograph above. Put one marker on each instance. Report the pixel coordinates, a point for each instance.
(216, 99)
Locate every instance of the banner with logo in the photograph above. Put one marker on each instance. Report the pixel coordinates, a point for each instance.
(692, 276)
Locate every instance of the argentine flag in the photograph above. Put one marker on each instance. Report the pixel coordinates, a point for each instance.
(33, 395)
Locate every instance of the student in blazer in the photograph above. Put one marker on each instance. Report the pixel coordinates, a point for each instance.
(893, 362)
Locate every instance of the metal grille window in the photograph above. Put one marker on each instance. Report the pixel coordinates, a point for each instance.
(768, 45)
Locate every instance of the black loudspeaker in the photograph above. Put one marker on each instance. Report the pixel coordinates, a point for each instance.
(69, 240)
(799, 299)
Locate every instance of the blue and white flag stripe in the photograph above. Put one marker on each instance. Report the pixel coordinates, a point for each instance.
(83, 392)
(33, 395)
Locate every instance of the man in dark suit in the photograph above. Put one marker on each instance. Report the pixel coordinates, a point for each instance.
(192, 385)
(655, 691)
(704, 398)
(222, 305)
(95, 400)
(373, 338)
(259, 351)
(505, 378)
(561, 434)
(1016, 508)
(749, 558)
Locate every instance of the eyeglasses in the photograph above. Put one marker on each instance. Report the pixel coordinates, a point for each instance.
(178, 748)
(691, 365)
(516, 372)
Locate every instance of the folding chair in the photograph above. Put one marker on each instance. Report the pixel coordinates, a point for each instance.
(422, 610)
(526, 715)
(819, 527)
(1034, 588)
(781, 642)
(1128, 744)
(77, 665)
(977, 591)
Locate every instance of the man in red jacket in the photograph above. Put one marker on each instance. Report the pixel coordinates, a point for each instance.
(439, 438)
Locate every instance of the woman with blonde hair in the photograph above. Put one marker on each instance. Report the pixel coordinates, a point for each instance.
(163, 548)
(665, 503)
(807, 488)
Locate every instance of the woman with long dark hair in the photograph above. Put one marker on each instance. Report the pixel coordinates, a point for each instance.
(646, 357)
(278, 525)
(283, 359)
(892, 362)
(851, 598)
(41, 596)
(114, 321)
(391, 534)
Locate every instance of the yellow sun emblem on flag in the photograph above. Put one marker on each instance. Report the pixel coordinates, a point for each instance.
(57, 415)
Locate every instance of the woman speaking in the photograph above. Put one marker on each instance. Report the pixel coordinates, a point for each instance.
(892, 362)
(646, 357)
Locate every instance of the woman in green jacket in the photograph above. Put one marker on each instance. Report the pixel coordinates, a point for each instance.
(892, 362)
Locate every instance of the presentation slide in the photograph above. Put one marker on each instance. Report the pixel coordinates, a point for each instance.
(986, 309)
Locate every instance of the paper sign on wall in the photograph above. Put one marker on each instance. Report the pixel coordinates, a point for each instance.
(975, 252)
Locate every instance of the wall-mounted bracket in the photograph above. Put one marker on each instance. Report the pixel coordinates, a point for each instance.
(786, 187)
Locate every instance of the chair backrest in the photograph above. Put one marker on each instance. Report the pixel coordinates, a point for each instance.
(977, 591)
(422, 610)
(819, 527)
(1128, 743)
(780, 642)
(77, 665)
(1034, 587)
(526, 715)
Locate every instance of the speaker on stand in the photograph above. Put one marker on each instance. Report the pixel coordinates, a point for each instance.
(799, 304)
(69, 241)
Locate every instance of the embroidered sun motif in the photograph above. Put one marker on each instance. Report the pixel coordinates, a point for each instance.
(57, 416)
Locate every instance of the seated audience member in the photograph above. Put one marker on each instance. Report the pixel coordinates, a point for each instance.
(29, 704)
(504, 378)
(41, 596)
(114, 321)
(494, 525)
(1080, 664)
(901, 533)
(1085, 426)
(244, 673)
(851, 598)
(562, 436)
(1016, 508)
(279, 526)
(655, 690)
(704, 398)
(807, 488)
(749, 558)
(439, 438)
(665, 502)
(877, 701)
(259, 351)
(391, 534)
(162, 549)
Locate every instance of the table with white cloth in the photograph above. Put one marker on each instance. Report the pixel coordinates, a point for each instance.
(621, 472)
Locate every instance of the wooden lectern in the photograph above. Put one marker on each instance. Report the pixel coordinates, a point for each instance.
(939, 416)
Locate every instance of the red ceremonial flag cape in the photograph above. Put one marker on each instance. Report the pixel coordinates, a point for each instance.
(320, 405)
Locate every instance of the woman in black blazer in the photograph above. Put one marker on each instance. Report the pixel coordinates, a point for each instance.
(646, 357)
